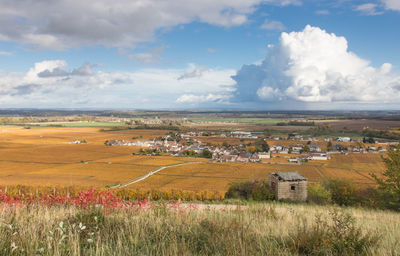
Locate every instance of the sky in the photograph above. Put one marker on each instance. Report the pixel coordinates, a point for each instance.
(192, 54)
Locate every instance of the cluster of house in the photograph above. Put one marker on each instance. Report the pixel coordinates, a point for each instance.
(180, 144)
(222, 154)
(305, 152)
(219, 153)
(295, 149)
(236, 153)
(164, 145)
(127, 143)
(243, 135)
(357, 147)
(77, 142)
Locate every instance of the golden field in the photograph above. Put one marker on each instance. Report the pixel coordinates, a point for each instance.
(40, 156)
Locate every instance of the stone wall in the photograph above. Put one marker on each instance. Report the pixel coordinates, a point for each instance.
(283, 189)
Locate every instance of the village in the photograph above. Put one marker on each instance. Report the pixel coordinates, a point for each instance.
(299, 149)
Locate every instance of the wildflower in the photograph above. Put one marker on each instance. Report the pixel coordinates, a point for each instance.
(81, 226)
(13, 246)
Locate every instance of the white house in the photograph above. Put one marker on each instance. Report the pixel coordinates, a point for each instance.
(343, 139)
(264, 155)
(319, 156)
(314, 148)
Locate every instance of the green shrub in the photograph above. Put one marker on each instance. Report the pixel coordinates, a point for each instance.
(343, 192)
(388, 185)
(337, 236)
(318, 194)
(206, 153)
(257, 190)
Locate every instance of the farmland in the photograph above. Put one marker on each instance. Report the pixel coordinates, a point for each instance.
(41, 156)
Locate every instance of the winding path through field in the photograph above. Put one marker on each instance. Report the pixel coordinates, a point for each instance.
(151, 173)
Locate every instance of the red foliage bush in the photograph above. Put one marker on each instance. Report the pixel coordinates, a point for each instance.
(83, 200)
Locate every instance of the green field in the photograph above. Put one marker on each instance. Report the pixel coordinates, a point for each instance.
(271, 121)
(94, 124)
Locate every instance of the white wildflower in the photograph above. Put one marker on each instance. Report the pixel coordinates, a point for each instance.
(81, 226)
(13, 246)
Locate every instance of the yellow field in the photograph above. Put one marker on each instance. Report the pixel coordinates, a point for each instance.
(40, 157)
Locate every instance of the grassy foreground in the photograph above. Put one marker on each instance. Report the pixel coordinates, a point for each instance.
(175, 229)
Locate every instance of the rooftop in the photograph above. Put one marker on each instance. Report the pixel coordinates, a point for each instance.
(289, 176)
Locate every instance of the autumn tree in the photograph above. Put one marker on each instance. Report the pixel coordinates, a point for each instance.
(251, 149)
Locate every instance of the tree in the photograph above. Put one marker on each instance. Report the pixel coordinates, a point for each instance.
(369, 140)
(206, 153)
(225, 144)
(389, 184)
(329, 146)
(261, 146)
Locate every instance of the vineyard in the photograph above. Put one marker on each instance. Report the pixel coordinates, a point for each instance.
(41, 156)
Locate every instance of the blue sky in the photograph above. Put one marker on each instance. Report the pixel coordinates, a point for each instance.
(234, 54)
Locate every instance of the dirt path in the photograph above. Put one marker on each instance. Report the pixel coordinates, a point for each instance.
(150, 173)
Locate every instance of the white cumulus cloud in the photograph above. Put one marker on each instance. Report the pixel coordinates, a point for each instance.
(315, 66)
(59, 24)
(268, 93)
(51, 83)
(392, 4)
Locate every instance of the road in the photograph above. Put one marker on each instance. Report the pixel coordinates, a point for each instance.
(149, 174)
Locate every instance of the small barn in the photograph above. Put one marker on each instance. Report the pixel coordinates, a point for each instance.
(289, 185)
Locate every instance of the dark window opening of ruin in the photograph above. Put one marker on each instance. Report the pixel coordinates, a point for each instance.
(293, 187)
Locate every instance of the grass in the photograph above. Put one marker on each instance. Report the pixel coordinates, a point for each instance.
(173, 229)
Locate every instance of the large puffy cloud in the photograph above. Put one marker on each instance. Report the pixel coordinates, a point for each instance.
(64, 23)
(392, 4)
(315, 66)
(52, 84)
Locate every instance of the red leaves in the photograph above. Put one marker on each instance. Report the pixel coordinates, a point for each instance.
(83, 200)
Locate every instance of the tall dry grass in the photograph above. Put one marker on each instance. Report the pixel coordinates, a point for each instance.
(173, 229)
